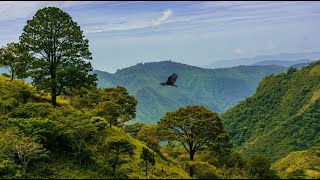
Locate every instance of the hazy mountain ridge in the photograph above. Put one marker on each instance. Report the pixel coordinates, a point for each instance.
(283, 63)
(216, 89)
(291, 57)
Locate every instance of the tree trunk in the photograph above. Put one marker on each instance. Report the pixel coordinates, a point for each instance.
(191, 172)
(114, 166)
(113, 171)
(146, 168)
(24, 170)
(12, 75)
(53, 98)
(79, 152)
(53, 85)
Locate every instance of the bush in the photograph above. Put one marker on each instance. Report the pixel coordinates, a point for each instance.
(99, 122)
(32, 110)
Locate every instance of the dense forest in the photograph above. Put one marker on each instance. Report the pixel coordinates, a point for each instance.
(283, 114)
(63, 125)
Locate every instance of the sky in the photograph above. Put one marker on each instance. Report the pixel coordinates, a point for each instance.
(124, 33)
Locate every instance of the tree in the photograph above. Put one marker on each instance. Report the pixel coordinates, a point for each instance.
(60, 54)
(118, 149)
(14, 57)
(110, 110)
(193, 126)
(27, 149)
(8, 168)
(81, 132)
(259, 167)
(115, 104)
(291, 70)
(150, 135)
(127, 102)
(42, 130)
(147, 157)
(221, 148)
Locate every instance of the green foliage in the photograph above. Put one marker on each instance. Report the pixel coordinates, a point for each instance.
(299, 164)
(259, 167)
(203, 170)
(43, 131)
(274, 121)
(123, 102)
(114, 104)
(70, 137)
(59, 52)
(13, 56)
(148, 157)
(221, 148)
(193, 126)
(27, 150)
(118, 149)
(297, 174)
(99, 122)
(8, 167)
(150, 135)
(32, 110)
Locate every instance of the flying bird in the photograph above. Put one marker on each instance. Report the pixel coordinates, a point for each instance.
(171, 80)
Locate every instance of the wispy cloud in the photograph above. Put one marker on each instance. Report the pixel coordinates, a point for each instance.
(116, 27)
(166, 14)
(11, 10)
(129, 24)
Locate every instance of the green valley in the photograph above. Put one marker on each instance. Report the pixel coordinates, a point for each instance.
(216, 89)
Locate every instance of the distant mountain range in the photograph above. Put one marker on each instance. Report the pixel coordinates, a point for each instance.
(216, 89)
(283, 59)
(283, 63)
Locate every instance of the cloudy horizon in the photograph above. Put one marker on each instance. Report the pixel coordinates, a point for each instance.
(122, 34)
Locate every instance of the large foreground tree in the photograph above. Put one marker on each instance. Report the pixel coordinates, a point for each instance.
(60, 53)
(194, 126)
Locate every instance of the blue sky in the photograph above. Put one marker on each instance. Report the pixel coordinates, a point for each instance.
(123, 33)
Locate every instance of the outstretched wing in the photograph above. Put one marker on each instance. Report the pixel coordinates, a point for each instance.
(172, 79)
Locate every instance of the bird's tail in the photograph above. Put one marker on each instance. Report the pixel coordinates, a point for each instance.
(163, 84)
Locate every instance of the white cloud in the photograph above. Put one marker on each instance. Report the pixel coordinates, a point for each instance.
(166, 14)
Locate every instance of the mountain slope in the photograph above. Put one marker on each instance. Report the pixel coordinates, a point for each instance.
(216, 89)
(282, 116)
(64, 126)
(300, 165)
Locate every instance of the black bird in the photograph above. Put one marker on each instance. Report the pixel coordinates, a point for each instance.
(171, 80)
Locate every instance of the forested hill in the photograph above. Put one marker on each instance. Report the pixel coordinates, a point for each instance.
(216, 89)
(282, 116)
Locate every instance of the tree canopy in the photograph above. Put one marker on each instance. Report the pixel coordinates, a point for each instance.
(60, 54)
(14, 57)
(193, 126)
